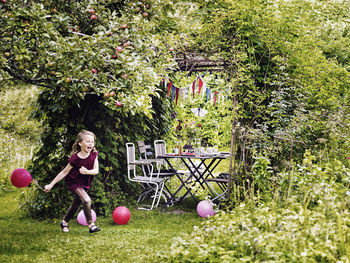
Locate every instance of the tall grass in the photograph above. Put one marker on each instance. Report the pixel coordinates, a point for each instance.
(302, 219)
(14, 153)
(19, 133)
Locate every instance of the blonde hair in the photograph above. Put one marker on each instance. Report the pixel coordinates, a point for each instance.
(76, 147)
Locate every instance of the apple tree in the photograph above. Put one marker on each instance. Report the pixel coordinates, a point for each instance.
(98, 65)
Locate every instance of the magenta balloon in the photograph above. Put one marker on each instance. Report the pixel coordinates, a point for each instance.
(20, 177)
(82, 219)
(121, 215)
(205, 208)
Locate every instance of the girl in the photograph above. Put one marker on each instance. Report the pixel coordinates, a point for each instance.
(78, 175)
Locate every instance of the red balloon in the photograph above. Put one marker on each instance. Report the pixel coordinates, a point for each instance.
(121, 215)
(20, 177)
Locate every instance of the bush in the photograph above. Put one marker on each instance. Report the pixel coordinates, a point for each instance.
(92, 74)
(311, 225)
(262, 234)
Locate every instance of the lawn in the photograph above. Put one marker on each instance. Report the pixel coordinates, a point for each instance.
(147, 233)
(28, 240)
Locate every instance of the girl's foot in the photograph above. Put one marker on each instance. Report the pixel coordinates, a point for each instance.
(93, 229)
(64, 227)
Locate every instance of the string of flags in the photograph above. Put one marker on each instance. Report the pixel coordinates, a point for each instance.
(197, 88)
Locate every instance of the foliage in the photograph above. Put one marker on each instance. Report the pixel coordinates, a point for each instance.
(210, 129)
(261, 174)
(263, 234)
(282, 72)
(99, 74)
(311, 225)
(290, 80)
(7, 144)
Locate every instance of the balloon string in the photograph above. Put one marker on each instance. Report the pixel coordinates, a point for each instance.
(35, 181)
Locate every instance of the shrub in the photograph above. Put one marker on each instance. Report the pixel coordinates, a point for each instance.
(310, 225)
(258, 234)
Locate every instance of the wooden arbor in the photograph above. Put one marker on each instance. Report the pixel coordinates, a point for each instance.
(195, 62)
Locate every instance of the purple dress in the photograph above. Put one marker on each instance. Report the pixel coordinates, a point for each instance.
(74, 178)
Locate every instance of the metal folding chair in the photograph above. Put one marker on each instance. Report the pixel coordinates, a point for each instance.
(146, 153)
(151, 182)
(222, 181)
(160, 150)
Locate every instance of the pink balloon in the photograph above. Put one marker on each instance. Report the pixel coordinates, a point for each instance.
(20, 177)
(121, 215)
(205, 208)
(82, 219)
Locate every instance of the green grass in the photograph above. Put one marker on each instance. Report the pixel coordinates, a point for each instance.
(19, 133)
(27, 240)
(148, 232)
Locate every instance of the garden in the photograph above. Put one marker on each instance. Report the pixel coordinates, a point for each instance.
(266, 81)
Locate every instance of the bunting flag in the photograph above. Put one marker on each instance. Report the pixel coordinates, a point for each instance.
(193, 87)
(162, 83)
(208, 93)
(176, 95)
(173, 90)
(183, 93)
(200, 84)
(215, 95)
(182, 96)
(222, 99)
(169, 86)
(204, 88)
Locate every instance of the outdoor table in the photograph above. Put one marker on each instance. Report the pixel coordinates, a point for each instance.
(196, 172)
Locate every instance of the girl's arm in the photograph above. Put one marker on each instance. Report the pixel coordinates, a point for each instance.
(59, 177)
(94, 170)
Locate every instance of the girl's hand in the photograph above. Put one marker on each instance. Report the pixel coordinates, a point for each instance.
(83, 170)
(47, 188)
